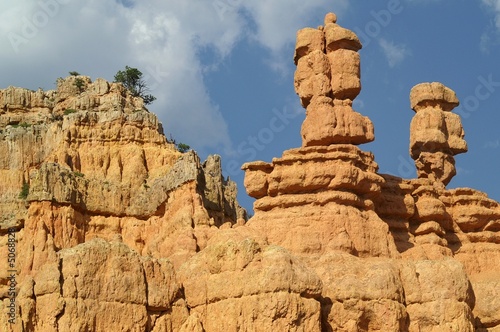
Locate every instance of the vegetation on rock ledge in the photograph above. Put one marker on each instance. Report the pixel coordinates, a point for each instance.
(24, 191)
(132, 79)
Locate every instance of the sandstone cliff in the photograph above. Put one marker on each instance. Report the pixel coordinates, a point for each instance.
(88, 177)
(118, 231)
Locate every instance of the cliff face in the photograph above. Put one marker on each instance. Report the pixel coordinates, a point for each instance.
(115, 230)
(89, 178)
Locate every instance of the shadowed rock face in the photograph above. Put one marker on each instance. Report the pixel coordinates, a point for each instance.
(116, 230)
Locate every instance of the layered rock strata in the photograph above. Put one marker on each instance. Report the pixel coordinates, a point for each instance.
(103, 208)
(116, 230)
(393, 254)
(299, 194)
(436, 134)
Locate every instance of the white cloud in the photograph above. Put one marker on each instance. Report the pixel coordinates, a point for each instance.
(491, 35)
(492, 144)
(44, 39)
(98, 38)
(276, 23)
(395, 54)
(495, 6)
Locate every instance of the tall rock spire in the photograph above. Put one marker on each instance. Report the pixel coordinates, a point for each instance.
(436, 134)
(327, 81)
(304, 190)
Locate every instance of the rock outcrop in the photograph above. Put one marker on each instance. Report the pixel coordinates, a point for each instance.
(436, 134)
(103, 208)
(327, 80)
(393, 254)
(299, 194)
(240, 283)
(113, 229)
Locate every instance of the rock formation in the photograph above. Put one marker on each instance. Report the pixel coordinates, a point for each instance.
(116, 230)
(436, 134)
(327, 80)
(299, 194)
(393, 254)
(103, 208)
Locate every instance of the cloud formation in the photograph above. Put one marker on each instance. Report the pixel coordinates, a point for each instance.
(495, 6)
(394, 53)
(44, 39)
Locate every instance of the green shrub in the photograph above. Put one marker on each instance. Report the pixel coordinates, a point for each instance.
(79, 174)
(183, 147)
(69, 111)
(79, 83)
(74, 73)
(132, 79)
(25, 190)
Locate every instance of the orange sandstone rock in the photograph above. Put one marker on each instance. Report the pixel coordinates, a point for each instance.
(436, 135)
(118, 231)
(327, 80)
(239, 284)
(393, 254)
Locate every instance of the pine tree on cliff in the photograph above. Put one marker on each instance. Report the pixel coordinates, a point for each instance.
(132, 79)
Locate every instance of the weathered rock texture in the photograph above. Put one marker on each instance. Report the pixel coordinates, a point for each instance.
(393, 254)
(118, 231)
(327, 80)
(436, 134)
(109, 209)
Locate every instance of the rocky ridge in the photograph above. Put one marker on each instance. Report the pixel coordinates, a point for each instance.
(119, 231)
(89, 178)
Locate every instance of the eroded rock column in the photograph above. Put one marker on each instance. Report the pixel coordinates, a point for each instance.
(301, 194)
(327, 80)
(436, 134)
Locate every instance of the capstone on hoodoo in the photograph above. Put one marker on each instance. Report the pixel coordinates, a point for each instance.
(436, 134)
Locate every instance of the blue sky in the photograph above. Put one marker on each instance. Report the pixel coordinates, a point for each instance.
(222, 70)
